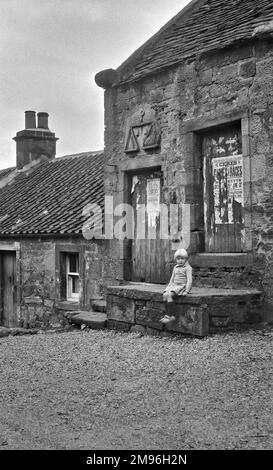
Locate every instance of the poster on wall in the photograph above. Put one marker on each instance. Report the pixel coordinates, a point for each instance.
(228, 189)
(153, 200)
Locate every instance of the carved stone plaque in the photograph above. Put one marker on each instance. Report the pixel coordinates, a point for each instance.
(142, 133)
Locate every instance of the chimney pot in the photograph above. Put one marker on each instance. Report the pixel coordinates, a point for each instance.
(42, 120)
(30, 120)
(34, 143)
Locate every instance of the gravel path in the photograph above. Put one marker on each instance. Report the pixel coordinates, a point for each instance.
(106, 390)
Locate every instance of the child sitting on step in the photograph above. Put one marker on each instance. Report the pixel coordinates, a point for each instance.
(180, 282)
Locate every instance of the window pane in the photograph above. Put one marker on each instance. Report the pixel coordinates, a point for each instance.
(72, 276)
(73, 263)
(75, 285)
(63, 281)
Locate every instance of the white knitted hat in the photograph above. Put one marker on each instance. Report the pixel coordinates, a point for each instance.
(183, 253)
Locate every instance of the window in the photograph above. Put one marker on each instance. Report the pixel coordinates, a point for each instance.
(69, 276)
(72, 273)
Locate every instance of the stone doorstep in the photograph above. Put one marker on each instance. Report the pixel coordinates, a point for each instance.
(5, 331)
(67, 306)
(94, 320)
(134, 303)
(99, 305)
(192, 319)
(198, 295)
(70, 314)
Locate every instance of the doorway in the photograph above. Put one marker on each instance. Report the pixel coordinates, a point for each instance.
(8, 289)
(150, 253)
(223, 190)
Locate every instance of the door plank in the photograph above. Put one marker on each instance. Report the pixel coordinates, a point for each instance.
(148, 254)
(222, 172)
(9, 290)
(1, 290)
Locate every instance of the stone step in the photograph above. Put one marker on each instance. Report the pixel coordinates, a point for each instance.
(99, 305)
(5, 331)
(93, 320)
(203, 311)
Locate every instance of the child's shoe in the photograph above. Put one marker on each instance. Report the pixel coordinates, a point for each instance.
(167, 319)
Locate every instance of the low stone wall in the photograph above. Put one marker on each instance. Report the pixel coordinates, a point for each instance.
(227, 270)
(139, 308)
(36, 312)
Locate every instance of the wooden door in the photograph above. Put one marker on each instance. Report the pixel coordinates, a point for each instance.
(150, 253)
(223, 190)
(8, 291)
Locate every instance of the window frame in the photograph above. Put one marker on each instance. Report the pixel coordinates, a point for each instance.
(70, 295)
(61, 250)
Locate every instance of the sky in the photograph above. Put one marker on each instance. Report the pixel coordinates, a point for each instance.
(50, 52)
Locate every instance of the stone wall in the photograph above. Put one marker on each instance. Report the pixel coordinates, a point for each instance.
(139, 309)
(231, 85)
(102, 269)
(37, 284)
(40, 302)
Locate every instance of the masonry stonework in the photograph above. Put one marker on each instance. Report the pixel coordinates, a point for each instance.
(232, 85)
(37, 289)
(139, 308)
(41, 305)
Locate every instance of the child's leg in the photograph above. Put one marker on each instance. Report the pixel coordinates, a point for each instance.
(168, 298)
(169, 303)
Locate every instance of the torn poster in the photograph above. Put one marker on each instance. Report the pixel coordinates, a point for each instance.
(228, 189)
(153, 201)
(134, 183)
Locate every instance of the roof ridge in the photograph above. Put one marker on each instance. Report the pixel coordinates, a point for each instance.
(187, 9)
(80, 154)
(197, 29)
(7, 168)
(72, 155)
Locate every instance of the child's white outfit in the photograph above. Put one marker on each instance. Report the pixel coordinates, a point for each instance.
(181, 280)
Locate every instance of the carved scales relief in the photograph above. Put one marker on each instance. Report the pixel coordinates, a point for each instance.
(142, 135)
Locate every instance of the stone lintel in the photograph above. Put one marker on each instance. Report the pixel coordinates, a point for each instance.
(201, 123)
(9, 246)
(142, 162)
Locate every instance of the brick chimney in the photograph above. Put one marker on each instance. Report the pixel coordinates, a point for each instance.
(34, 142)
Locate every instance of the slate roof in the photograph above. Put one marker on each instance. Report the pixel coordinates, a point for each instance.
(4, 173)
(49, 198)
(202, 26)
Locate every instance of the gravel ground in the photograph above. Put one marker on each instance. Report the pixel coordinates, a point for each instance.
(107, 390)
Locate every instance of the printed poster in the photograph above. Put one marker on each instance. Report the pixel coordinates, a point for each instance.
(153, 200)
(228, 189)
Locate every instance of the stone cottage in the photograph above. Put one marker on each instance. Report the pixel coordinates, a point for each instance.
(189, 122)
(188, 154)
(47, 265)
